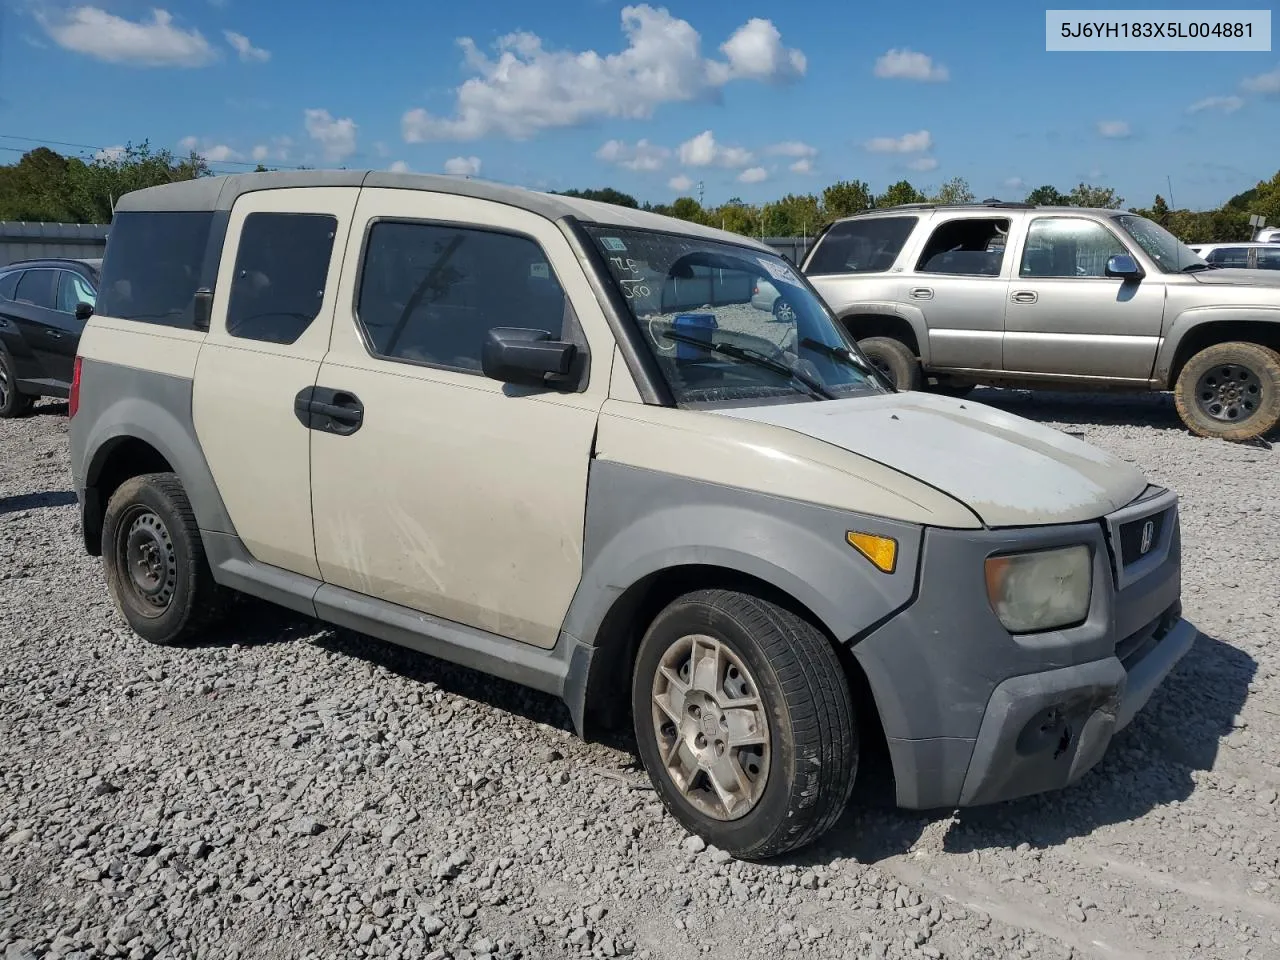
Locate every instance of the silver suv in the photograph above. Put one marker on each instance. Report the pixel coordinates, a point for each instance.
(948, 297)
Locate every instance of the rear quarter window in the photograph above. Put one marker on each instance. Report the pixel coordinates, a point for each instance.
(861, 246)
(152, 266)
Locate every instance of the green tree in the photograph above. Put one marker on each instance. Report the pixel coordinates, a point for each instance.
(845, 198)
(736, 217)
(900, 193)
(687, 208)
(1047, 196)
(1086, 195)
(792, 216)
(1160, 211)
(955, 190)
(40, 187)
(604, 195)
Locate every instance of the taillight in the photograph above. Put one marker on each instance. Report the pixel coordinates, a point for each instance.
(73, 400)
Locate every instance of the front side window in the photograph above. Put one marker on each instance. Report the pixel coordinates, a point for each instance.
(151, 269)
(39, 288)
(1268, 259)
(281, 267)
(9, 285)
(1170, 254)
(74, 289)
(728, 323)
(430, 293)
(1060, 247)
(860, 246)
(1229, 257)
(968, 246)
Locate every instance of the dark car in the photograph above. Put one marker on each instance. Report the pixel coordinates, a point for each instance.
(43, 307)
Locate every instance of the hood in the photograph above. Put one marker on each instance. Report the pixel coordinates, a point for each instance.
(1008, 470)
(1240, 277)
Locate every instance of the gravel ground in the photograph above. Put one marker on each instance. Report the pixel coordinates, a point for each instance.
(291, 791)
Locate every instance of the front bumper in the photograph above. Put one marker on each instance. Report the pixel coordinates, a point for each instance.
(973, 715)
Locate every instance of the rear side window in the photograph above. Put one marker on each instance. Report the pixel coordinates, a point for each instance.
(861, 246)
(1229, 257)
(152, 266)
(39, 287)
(430, 293)
(970, 247)
(281, 267)
(9, 285)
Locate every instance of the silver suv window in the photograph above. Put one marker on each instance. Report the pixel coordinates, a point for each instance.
(860, 246)
(1068, 247)
(966, 246)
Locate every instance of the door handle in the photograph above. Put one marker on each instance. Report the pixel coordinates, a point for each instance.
(54, 334)
(921, 293)
(329, 410)
(1025, 296)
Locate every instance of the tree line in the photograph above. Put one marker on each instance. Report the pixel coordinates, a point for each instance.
(47, 186)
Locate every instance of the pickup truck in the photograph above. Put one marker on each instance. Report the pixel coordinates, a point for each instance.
(947, 297)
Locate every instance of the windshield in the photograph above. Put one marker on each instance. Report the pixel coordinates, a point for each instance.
(1170, 254)
(728, 323)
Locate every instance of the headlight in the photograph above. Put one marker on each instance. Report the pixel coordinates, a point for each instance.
(1041, 590)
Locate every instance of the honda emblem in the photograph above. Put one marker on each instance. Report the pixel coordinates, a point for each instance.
(1148, 536)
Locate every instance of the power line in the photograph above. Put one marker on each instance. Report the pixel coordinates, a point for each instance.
(88, 146)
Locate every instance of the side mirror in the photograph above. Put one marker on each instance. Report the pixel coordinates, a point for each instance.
(202, 308)
(525, 357)
(1123, 266)
(84, 310)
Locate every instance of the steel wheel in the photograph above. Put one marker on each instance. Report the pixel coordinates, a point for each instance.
(4, 385)
(1229, 392)
(711, 727)
(147, 554)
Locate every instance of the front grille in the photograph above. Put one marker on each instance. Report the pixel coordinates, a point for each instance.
(1141, 642)
(1139, 537)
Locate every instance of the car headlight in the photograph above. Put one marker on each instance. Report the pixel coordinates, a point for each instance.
(1041, 590)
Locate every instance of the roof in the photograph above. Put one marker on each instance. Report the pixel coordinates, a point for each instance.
(92, 263)
(220, 193)
(980, 207)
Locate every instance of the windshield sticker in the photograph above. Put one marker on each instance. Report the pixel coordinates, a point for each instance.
(540, 270)
(779, 271)
(614, 244)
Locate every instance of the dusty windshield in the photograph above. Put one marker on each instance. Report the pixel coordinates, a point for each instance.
(1170, 254)
(728, 323)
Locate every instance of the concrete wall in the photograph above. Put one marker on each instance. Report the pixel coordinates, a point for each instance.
(26, 241)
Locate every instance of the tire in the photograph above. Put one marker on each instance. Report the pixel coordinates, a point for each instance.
(179, 599)
(783, 312)
(1230, 391)
(895, 360)
(795, 785)
(12, 403)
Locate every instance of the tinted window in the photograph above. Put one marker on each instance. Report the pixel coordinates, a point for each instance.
(970, 247)
(9, 285)
(1068, 247)
(1268, 259)
(281, 267)
(1229, 257)
(39, 287)
(430, 293)
(152, 266)
(861, 246)
(73, 289)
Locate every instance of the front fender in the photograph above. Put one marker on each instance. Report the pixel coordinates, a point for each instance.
(911, 315)
(1198, 317)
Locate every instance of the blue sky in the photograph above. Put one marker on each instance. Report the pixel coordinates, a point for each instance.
(752, 99)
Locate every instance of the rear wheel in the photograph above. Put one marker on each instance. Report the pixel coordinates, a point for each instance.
(744, 721)
(1230, 391)
(156, 568)
(12, 402)
(895, 360)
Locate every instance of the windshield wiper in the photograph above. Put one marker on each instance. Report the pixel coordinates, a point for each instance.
(755, 358)
(1193, 267)
(847, 356)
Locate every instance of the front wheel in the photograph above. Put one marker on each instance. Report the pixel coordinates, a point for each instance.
(156, 568)
(744, 721)
(1230, 391)
(12, 402)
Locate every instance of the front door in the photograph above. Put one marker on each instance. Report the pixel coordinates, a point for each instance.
(272, 316)
(1066, 317)
(453, 494)
(35, 312)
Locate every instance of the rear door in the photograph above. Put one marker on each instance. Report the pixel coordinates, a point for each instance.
(272, 315)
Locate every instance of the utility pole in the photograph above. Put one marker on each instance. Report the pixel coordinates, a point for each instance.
(699, 193)
(1169, 181)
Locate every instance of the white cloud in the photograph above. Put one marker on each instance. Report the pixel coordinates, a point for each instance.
(248, 52)
(211, 152)
(680, 183)
(337, 138)
(144, 43)
(398, 167)
(753, 175)
(791, 148)
(110, 153)
(1015, 183)
(277, 149)
(260, 152)
(923, 164)
(704, 151)
(1267, 84)
(1114, 129)
(187, 144)
(642, 156)
(909, 65)
(1226, 104)
(525, 87)
(463, 166)
(917, 142)
(803, 165)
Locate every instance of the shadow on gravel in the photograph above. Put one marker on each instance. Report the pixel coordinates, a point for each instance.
(1147, 766)
(51, 408)
(35, 501)
(1103, 409)
(255, 623)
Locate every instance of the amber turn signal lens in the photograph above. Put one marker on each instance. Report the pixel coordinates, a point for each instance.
(882, 551)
